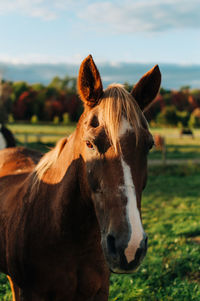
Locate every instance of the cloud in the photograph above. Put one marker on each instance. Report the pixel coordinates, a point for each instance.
(143, 16)
(43, 9)
(128, 16)
(38, 58)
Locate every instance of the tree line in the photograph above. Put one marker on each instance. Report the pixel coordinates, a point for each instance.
(58, 101)
(176, 108)
(22, 101)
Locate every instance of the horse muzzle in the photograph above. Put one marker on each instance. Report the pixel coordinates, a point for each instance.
(114, 251)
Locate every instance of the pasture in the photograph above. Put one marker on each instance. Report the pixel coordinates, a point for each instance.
(171, 214)
(177, 148)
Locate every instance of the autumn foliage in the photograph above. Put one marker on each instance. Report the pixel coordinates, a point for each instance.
(45, 103)
(174, 108)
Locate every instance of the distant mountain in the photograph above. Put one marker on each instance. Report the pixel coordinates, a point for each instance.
(173, 76)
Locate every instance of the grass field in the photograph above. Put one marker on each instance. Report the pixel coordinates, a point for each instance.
(171, 217)
(177, 148)
(171, 214)
(42, 128)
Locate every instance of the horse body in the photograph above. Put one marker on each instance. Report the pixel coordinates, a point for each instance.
(68, 220)
(44, 266)
(16, 165)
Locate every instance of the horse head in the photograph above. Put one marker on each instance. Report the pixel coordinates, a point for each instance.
(114, 144)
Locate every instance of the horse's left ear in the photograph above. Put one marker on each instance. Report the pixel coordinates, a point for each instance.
(90, 85)
(147, 88)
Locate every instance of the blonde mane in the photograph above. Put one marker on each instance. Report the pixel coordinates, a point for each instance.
(118, 104)
(48, 160)
(115, 105)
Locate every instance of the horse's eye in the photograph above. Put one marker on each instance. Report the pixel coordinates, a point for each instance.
(89, 144)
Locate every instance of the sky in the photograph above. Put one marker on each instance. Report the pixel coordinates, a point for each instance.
(60, 31)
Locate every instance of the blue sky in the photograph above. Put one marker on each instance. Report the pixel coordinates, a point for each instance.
(149, 31)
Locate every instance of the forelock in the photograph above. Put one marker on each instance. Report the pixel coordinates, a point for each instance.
(116, 105)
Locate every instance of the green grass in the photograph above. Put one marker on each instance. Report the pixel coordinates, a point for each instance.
(171, 214)
(177, 148)
(46, 141)
(42, 128)
(171, 131)
(39, 146)
(177, 151)
(5, 292)
(171, 217)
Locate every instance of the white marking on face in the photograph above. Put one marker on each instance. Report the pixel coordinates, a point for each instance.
(133, 215)
(2, 141)
(132, 212)
(124, 127)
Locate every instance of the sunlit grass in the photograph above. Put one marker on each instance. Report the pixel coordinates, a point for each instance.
(42, 128)
(177, 148)
(171, 214)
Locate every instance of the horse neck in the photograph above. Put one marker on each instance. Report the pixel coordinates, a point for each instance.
(74, 169)
(67, 192)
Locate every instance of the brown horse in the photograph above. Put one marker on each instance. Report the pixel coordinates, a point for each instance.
(70, 219)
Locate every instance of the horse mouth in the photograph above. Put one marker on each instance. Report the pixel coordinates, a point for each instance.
(123, 267)
(117, 261)
(118, 264)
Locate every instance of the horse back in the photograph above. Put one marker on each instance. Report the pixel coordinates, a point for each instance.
(18, 160)
(16, 164)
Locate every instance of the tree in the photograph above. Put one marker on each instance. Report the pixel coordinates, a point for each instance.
(168, 116)
(67, 84)
(5, 101)
(194, 121)
(183, 118)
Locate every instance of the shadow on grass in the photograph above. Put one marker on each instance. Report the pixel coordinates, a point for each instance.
(39, 146)
(189, 234)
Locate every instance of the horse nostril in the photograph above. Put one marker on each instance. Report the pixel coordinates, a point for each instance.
(111, 244)
(141, 251)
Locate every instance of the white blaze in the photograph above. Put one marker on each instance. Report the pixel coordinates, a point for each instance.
(132, 212)
(133, 215)
(2, 141)
(124, 127)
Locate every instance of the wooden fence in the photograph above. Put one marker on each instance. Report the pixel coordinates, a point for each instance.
(38, 137)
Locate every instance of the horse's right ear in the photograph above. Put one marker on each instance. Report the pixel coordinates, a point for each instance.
(90, 87)
(147, 88)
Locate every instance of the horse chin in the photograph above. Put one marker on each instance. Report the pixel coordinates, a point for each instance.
(118, 264)
(123, 268)
(122, 271)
